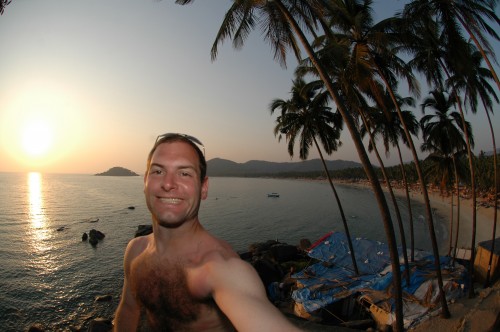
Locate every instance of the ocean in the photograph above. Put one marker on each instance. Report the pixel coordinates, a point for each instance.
(50, 276)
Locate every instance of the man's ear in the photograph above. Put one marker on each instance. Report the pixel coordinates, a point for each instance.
(204, 188)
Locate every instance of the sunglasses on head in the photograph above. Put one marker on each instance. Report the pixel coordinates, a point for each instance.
(192, 139)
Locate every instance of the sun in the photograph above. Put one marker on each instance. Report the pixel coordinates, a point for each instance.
(37, 138)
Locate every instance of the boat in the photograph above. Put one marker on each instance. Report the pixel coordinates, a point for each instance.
(273, 195)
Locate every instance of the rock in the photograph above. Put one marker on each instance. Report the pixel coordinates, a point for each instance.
(143, 230)
(131, 207)
(100, 325)
(304, 244)
(95, 236)
(103, 298)
(84, 237)
(258, 248)
(36, 328)
(283, 252)
(268, 270)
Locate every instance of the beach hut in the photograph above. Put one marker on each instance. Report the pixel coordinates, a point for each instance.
(482, 259)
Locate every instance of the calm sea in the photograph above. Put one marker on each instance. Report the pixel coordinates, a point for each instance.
(48, 275)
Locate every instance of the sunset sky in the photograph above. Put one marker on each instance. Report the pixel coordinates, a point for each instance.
(88, 85)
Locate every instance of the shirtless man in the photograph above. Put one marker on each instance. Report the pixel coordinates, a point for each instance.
(184, 278)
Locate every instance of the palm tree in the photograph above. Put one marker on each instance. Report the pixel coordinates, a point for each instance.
(388, 125)
(469, 14)
(442, 54)
(3, 4)
(373, 49)
(366, 128)
(307, 115)
(279, 20)
(474, 82)
(444, 138)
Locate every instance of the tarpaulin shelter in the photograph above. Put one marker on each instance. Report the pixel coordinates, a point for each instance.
(333, 279)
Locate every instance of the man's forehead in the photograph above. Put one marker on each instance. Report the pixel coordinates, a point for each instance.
(181, 151)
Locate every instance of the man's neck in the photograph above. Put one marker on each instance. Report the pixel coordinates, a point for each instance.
(176, 237)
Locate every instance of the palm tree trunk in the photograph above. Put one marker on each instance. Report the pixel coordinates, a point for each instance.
(473, 188)
(368, 168)
(445, 312)
(393, 197)
(344, 220)
(495, 192)
(450, 240)
(457, 231)
(408, 202)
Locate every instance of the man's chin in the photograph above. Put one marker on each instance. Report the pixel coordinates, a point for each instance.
(170, 224)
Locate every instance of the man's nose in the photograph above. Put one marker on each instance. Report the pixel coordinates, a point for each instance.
(168, 182)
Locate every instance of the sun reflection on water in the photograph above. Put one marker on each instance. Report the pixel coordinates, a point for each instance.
(40, 234)
(35, 200)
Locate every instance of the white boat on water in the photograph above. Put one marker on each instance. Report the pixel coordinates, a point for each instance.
(273, 195)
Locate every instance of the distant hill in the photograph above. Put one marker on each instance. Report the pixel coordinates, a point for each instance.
(223, 167)
(117, 171)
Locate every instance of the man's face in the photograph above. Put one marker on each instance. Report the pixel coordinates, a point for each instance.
(172, 185)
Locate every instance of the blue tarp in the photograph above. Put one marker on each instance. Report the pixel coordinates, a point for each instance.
(371, 256)
(333, 278)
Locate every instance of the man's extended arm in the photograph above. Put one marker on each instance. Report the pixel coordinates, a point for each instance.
(238, 291)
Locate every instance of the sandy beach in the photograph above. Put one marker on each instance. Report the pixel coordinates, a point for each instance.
(442, 206)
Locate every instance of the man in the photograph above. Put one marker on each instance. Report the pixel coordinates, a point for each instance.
(184, 278)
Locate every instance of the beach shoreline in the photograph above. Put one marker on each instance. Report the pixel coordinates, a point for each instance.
(441, 205)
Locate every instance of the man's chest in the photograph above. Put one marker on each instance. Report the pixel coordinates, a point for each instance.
(161, 287)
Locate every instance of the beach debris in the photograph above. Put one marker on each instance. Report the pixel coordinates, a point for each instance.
(60, 229)
(85, 236)
(131, 208)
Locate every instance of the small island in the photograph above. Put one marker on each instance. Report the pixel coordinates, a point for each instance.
(117, 171)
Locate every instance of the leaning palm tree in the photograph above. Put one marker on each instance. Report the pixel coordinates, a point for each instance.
(474, 83)
(388, 125)
(307, 115)
(281, 22)
(373, 48)
(3, 4)
(444, 137)
(366, 128)
(439, 55)
(470, 14)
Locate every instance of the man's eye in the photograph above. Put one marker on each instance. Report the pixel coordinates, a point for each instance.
(185, 174)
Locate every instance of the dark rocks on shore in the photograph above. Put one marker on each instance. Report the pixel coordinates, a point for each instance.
(143, 230)
(100, 325)
(36, 328)
(274, 261)
(94, 237)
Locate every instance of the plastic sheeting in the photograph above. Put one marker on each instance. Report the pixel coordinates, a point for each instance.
(333, 278)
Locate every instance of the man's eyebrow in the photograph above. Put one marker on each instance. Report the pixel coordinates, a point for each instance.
(180, 166)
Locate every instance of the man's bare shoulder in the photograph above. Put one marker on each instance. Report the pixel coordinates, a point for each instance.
(137, 245)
